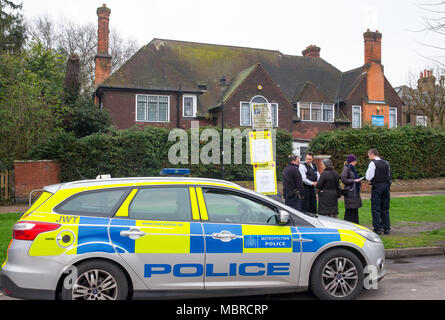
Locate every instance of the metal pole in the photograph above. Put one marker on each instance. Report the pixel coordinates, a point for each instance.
(222, 139)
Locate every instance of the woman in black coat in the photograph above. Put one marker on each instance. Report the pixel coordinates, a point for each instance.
(350, 179)
(328, 187)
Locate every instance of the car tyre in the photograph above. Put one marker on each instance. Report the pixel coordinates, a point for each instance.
(337, 275)
(95, 280)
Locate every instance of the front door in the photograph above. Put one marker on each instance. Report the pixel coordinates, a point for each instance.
(159, 234)
(246, 247)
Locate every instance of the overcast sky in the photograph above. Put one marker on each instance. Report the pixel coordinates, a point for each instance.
(337, 26)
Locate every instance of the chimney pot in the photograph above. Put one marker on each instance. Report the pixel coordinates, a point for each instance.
(311, 51)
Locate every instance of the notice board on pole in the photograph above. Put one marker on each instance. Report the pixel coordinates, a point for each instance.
(261, 147)
(265, 178)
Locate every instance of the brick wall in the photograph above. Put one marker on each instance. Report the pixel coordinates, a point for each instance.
(32, 175)
(122, 107)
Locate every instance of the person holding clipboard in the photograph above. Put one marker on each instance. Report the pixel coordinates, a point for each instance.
(352, 183)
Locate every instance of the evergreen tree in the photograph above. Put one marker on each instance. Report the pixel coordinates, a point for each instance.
(12, 27)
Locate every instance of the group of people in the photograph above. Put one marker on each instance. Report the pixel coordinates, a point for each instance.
(302, 181)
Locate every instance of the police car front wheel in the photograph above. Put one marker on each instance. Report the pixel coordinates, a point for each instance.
(96, 280)
(337, 275)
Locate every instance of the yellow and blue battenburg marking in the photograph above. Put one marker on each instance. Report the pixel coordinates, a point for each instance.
(160, 237)
(80, 235)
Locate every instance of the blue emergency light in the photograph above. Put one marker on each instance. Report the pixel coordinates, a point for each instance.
(175, 172)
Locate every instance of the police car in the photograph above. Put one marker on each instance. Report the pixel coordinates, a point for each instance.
(181, 237)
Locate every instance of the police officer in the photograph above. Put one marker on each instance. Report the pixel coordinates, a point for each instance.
(379, 174)
(293, 183)
(310, 175)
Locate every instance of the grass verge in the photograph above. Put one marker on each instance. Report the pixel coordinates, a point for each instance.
(7, 220)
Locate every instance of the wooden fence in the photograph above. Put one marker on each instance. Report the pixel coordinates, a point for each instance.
(6, 181)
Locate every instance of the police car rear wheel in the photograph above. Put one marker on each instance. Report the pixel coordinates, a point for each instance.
(97, 280)
(337, 275)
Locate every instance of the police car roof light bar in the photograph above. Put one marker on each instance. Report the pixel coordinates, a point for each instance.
(175, 172)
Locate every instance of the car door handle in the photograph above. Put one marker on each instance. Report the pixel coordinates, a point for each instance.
(224, 236)
(133, 233)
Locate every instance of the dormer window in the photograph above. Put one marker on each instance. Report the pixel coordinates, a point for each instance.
(316, 111)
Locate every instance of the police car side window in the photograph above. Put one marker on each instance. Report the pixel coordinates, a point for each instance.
(102, 203)
(226, 207)
(161, 204)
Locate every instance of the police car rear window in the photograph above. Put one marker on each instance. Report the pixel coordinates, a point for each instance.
(102, 203)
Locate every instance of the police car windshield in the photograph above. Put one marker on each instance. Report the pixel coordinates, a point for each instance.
(310, 214)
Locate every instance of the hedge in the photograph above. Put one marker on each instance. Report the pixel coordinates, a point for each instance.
(139, 152)
(413, 152)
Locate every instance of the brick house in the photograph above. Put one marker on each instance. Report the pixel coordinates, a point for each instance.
(426, 92)
(170, 83)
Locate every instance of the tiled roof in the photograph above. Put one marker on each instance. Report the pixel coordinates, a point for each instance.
(349, 80)
(166, 65)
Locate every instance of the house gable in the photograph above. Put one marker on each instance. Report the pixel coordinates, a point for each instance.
(252, 82)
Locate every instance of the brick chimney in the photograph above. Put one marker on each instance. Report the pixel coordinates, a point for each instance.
(427, 80)
(103, 58)
(373, 46)
(374, 102)
(311, 51)
(373, 65)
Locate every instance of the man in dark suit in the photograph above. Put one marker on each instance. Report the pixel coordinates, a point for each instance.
(293, 184)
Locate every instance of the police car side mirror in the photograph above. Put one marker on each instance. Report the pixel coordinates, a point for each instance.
(283, 217)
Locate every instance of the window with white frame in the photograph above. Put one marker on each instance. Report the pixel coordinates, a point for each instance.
(245, 116)
(421, 121)
(316, 111)
(328, 112)
(356, 117)
(246, 113)
(393, 117)
(151, 108)
(189, 103)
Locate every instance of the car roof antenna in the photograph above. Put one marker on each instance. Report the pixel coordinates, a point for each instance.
(77, 170)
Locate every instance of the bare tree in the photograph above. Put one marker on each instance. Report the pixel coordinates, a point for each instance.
(434, 21)
(68, 37)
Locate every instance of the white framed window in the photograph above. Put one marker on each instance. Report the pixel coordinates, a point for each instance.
(274, 110)
(300, 149)
(328, 112)
(357, 117)
(152, 108)
(393, 117)
(259, 99)
(189, 106)
(316, 111)
(245, 114)
(421, 121)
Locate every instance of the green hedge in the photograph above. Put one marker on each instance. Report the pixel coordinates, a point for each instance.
(413, 152)
(139, 152)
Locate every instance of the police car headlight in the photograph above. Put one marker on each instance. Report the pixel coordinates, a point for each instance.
(369, 235)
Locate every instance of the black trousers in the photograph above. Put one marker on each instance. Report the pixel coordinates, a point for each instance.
(293, 202)
(310, 199)
(380, 198)
(351, 215)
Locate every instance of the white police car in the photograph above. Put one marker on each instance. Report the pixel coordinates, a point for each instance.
(181, 237)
